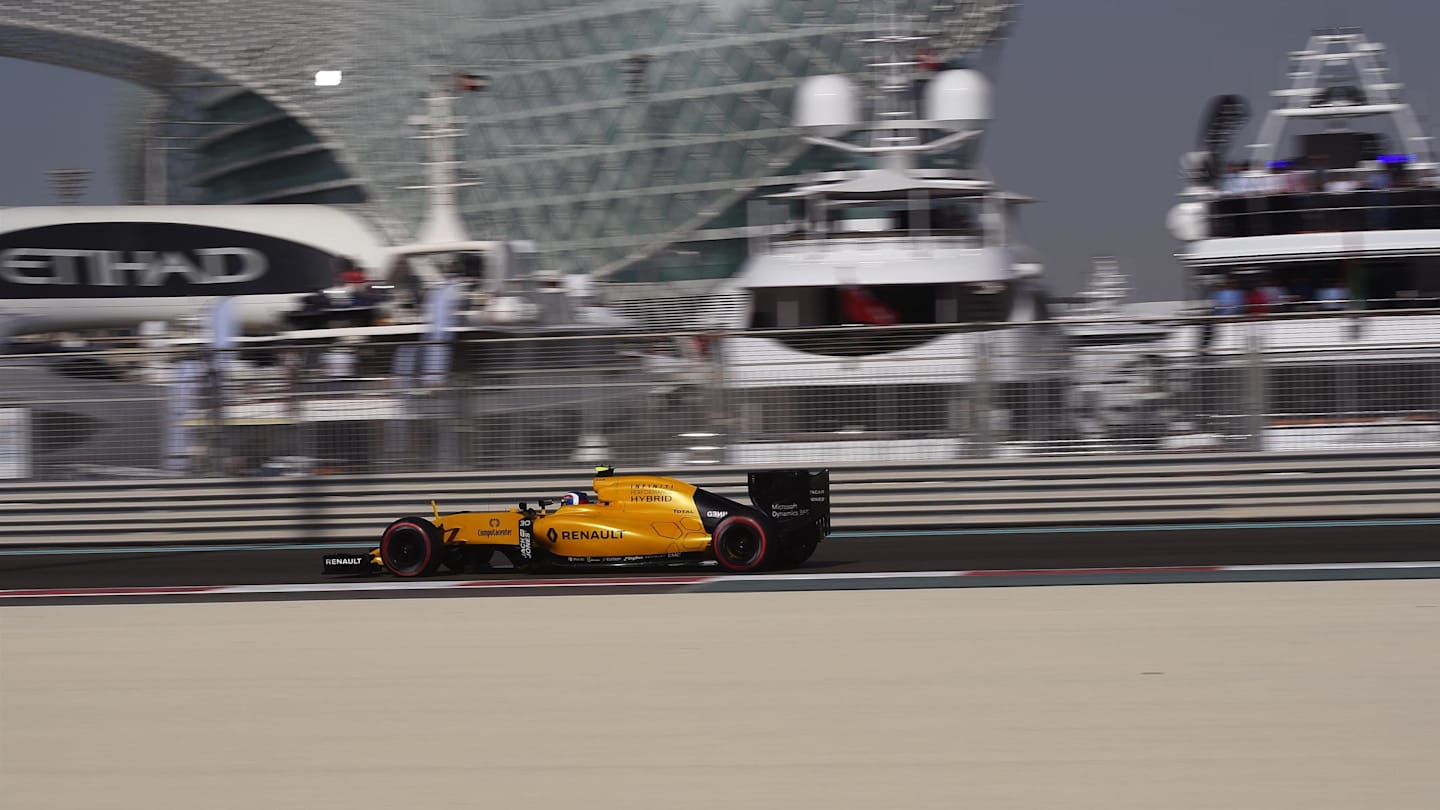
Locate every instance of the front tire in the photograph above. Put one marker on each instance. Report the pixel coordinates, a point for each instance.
(411, 547)
(740, 544)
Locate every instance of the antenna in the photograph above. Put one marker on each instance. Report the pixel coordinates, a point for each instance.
(1315, 94)
(439, 129)
(68, 185)
(1108, 286)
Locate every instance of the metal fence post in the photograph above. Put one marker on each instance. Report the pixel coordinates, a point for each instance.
(1256, 400)
(720, 411)
(983, 404)
(451, 453)
(215, 449)
(1349, 393)
(467, 390)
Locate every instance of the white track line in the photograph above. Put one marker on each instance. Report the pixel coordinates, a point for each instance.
(688, 582)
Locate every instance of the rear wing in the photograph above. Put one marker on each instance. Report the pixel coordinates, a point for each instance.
(796, 499)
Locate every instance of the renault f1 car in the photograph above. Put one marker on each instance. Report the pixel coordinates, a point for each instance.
(632, 520)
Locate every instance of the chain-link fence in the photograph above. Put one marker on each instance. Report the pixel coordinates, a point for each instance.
(850, 396)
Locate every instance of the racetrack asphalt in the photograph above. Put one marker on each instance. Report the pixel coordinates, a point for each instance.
(1315, 695)
(1251, 544)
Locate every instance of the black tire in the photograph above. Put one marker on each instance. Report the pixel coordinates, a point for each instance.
(412, 547)
(740, 544)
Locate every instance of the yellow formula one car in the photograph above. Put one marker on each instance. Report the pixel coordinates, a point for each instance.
(632, 520)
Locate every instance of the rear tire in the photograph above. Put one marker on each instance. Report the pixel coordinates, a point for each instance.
(740, 544)
(412, 547)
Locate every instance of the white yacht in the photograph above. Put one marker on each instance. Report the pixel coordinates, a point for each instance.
(1351, 202)
(920, 241)
(1335, 212)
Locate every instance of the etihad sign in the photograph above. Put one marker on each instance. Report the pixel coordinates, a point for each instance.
(140, 268)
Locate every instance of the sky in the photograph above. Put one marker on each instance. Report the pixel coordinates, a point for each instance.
(69, 123)
(1096, 101)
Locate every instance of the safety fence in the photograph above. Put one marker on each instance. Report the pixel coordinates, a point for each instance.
(840, 397)
(973, 495)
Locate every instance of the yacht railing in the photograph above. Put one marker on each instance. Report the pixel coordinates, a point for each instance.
(912, 218)
(953, 238)
(1325, 211)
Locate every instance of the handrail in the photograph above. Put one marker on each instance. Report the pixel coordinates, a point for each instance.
(1325, 211)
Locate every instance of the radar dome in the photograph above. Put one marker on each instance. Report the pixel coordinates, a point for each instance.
(1187, 222)
(958, 98)
(828, 105)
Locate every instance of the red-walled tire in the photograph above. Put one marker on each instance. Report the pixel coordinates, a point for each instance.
(411, 547)
(740, 544)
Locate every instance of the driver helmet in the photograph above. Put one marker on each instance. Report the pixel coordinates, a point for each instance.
(573, 499)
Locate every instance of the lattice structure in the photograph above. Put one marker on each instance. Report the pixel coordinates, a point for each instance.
(609, 129)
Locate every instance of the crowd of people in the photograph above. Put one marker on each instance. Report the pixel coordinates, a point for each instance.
(1292, 198)
(1301, 177)
(1263, 295)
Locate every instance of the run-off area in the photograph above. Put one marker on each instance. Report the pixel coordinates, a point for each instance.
(1314, 695)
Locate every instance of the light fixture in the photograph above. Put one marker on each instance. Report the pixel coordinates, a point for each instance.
(327, 78)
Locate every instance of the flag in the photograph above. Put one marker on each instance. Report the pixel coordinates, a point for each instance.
(471, 82)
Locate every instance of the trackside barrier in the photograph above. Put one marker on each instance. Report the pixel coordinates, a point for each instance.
(1298, 381)
(976, 494)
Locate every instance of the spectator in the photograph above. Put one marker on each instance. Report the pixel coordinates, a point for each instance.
(347, 272)
(1234, 179)
(1297, 181)
(1251, 182)
(1275, 295)
(1275, 182)
(1227, 298)
(1378, 178)
(1400, 176)
(1341, 185)
(927, 61)
(1256, 301)
(1333, 297)
(1319, 175)
(1302, 294)
(408, 288)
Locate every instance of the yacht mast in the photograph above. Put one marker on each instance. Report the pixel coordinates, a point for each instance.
(1314, 95)
(439, 130)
